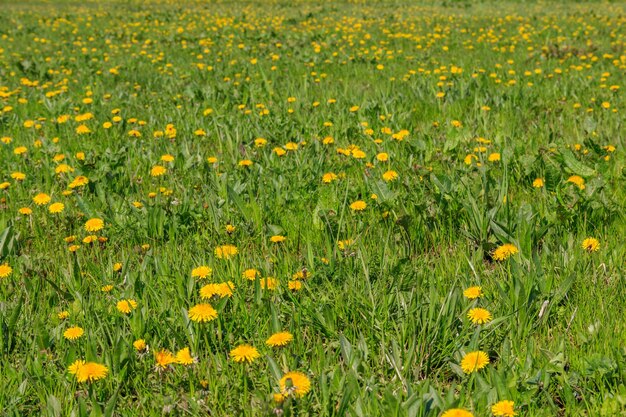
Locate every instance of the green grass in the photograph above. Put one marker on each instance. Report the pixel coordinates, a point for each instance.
(380, 324)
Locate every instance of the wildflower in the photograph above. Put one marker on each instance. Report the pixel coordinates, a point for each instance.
(538, 183)
(224, 289)
(63, 315)
(4, 185)
(591, 244)
(25, 211)
(245, 163)
(269, 283)
(167, 158)
(244, 353)
(94, 225)
(183, 357)
(126, 306)
(358, 205)
(106, 288)
(294, 285)
(140, 345)
(251, 274)
(201, 272)
(277, 239)
(474, 361)
(117, 266)
(157, 171)
(329, 177)
(479, 315)
(202, 313)
(41, 199)
(230, 229)
(73, 333)
(295, 383)
(79, 181)
(226, 251)
(56, 208)
(163, 358)
(279, 339)
(457, 412)
(504, 252)
(18, 176)
(504, 409)
(5, 270)
(382, 157)
(578, 181)
(494, 157)
(88, 371)
(279, 151)
(390, 175)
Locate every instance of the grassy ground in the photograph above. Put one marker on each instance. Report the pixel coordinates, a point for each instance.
(406, 149)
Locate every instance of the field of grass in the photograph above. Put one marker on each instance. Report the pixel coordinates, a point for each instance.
(301, 209)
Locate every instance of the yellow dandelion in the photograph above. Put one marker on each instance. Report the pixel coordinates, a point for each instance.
(457, 412)
(279, 339)
(226, 251)
(244, 353)
(277, 239)
(538, 183)
(140, 345)
(504, 409)
(591, 244)
(479, 315)
(201, 272)
(41, 199)
(269, 283)
(157, 171)
(94, 225)
(474, 361)
(202, 313)
(5, 270)
(504, 252)
(88, 371)
(390, 175)
(578, 181)
(73, 333)
(126, 306)
(358, 205)
(163, 358)
(294, 383)
(183, 357)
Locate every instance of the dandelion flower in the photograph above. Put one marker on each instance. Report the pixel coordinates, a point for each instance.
(504, 409)
(41, 199)
(183, 357)
(244, 353)
(251, 274)
(56, 208)
(277, 239)
(88, 371)
(5, 270)
(157, 171)
(279, 339)
(578, 181)
(226, 251)
(126, 306)
(73, 333)
(479, 315)
(25, 211)
(591, 244)
(223, 289)
(538, 183)
(140, 345)
(202, 313)
(163, 359)
(504, 252)
(390, 175)
(294, 285)
(472, 293)
(93, 225)
(201, 272)
(457, 412)
(269, 283)
(474, 361)
(295, 383)
(358, 205)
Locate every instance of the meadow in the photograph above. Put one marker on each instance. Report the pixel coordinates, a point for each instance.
(312, 209)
